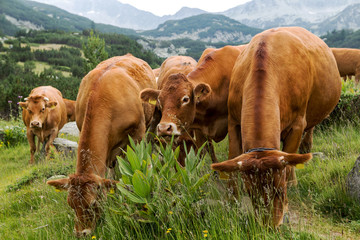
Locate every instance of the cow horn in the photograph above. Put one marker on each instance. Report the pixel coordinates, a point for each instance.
(25, 99)
(46, 99)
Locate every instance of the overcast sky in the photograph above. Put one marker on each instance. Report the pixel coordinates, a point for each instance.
(166, 7)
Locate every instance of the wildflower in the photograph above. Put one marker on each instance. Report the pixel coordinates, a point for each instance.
(112, 191)
(20, 97)
(9, 101)
(205, 235)
(205, 231)
(93, 237)
(170, 212)
(57, 190)
(168, 230)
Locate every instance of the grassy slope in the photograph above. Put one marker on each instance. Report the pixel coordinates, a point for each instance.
(319, 207)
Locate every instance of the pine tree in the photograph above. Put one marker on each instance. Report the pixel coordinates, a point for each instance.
(94, 51)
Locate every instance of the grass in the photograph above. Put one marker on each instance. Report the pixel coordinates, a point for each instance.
(319, 207)
(41, 66)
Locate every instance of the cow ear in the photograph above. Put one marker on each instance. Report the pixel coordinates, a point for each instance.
(108, 183)
(51, 104)
(61, 184)
(201, 92)
(228, 166)
(294, 159)
(149, 95)
(23, 105)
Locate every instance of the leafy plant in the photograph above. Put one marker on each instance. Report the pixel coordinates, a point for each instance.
(148, 177)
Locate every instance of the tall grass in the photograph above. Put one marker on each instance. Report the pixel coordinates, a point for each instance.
(319, 206)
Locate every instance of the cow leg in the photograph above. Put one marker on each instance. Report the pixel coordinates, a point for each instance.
(307, 141)
(50, 141)
(235, 143)
(235, 149)
(357, 74)
(31, 139)
(291, 144)
(200, 139)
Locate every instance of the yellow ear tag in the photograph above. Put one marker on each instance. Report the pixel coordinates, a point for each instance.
(57, 190)
(152, 102)
(111, 191)
(300, 166)
(223, 176)
(52, 107)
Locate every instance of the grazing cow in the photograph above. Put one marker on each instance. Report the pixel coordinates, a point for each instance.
(348, 62)
(197, 102)
(284, 83)
(108, 111)
(44, 114)
(70, 109)
(173, 65)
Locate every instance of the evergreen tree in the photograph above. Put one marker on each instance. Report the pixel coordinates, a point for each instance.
(94, 51)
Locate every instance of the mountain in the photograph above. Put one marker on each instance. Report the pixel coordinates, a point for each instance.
(349, 18)
(21, 14)
(274, 13)
(118, 14)
(210, 28)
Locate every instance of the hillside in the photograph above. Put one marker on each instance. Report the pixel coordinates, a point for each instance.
(343, 38)
(118, 14)
(275, 13)
(349, 18)
(210, 28)
(20, 14)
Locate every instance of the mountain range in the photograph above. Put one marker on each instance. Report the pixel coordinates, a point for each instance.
(263, 14)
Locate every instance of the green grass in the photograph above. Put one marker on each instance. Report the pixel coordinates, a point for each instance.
(41, 66)
(318, 209)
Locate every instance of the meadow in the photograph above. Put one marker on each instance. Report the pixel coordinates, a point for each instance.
(191, 203)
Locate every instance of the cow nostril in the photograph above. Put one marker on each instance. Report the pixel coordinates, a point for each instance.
(169, 128)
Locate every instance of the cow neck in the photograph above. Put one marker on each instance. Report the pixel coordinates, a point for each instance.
(93, 143)
(260, 114)
(218, 79)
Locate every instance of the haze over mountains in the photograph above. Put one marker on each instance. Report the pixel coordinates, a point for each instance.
(311, 14)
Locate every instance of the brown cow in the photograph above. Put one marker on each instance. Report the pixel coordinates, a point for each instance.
(70, 109)
(108, 111)
(173, 65)
(44, 114)
(348, 62)
(284, 83)
(197, 102)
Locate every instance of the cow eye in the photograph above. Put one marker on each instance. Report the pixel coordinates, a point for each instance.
(43, 109)
(29, 111)
(185, 99)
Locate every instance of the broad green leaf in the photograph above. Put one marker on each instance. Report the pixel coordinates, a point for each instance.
(132, 197)
(141, 184)
(200, 182)
(132, 143)
(184, 175)
(124, 167)
(126, 179)
(133, 159)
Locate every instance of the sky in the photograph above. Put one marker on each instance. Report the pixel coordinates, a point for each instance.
(167, 7)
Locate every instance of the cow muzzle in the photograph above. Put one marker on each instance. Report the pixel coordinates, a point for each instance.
(35, 124)
(167, 129)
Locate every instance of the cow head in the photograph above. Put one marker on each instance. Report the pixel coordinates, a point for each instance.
(264, 177)
(37, 108)
(177, 101)
(85, 194)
